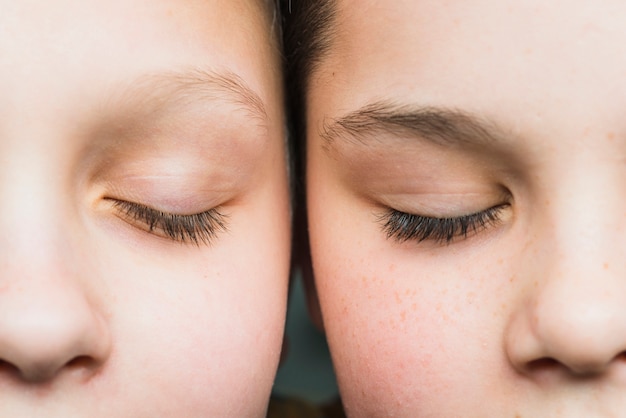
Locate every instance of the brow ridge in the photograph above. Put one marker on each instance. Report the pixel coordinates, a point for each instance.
(442, 126)
(200, 85)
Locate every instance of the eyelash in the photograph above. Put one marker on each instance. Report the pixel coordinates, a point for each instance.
(199, 228)
(405, 227)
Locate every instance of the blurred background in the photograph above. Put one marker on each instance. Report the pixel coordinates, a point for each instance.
(306, 373)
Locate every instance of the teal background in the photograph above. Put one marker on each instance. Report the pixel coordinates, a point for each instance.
(307, 371)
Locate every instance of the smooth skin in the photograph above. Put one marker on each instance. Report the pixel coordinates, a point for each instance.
(118, 120)
(524, 316)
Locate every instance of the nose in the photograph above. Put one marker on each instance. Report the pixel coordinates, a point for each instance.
(52, 321)
(47, 327)
(574, 320)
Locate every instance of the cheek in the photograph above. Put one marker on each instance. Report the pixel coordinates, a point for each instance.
(204, 341)
(204, 325)
(412, 329)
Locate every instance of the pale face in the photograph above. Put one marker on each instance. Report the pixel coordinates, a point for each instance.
(507, 119)
(144, 211)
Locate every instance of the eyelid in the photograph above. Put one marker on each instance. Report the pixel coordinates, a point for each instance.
(403, 226)
(198, 228)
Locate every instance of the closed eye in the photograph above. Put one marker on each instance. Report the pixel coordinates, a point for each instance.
(198, 228)
(404, 227)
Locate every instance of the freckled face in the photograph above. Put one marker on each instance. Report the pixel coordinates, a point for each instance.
(145, 218)
(465, 181)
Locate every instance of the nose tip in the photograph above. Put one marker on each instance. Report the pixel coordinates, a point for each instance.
(584, 339)
(56, 331)
(39, 346)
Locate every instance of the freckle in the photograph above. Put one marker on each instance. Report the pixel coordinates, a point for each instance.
(392, 324)
(414, 306)
(528, 51)
(610, 136)
(502, 310)
(398, 298)
(403, 316)
(605, 266)
(392, 267)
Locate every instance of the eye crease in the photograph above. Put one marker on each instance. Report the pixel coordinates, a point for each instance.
(199, 228)
(404, 227)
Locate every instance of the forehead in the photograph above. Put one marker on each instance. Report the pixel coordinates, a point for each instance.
(73, 68)
(457, 53)
(76, 41)
(134, 20)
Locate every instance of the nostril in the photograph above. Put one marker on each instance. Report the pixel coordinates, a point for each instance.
(31, 374)
(8, 368)
(544, 364)
(548, 366)
(547, 370)
(621, 357)
(77, 365)
(81, 363)
(45, 371)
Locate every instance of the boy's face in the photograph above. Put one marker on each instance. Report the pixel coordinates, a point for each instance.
(494, 133)
(126, 128)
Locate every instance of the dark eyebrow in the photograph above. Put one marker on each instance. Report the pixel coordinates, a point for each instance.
(157, 90)
(439, 125)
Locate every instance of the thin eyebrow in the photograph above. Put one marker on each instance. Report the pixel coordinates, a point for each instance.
(158, 90)
(442, 126)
